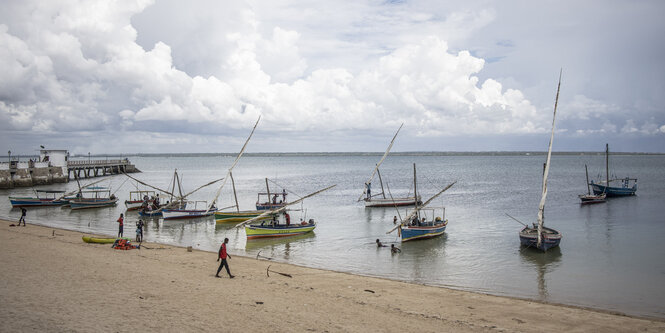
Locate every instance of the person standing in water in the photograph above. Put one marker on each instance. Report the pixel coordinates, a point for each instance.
(222, 255)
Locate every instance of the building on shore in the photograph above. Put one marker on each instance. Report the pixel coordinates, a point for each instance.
(53, 166)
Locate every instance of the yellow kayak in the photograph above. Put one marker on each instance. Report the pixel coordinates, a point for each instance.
(89, 239)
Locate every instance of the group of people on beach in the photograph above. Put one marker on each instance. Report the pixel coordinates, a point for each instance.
(139, 228)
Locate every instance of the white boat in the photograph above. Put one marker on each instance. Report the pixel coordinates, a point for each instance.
(373, 200)
(193, 209)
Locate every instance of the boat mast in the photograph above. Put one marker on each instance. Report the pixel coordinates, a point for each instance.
(415, 191)
(268, 189)
(541, 207)
(233, 184)
(383, 192)
(380, 161)
(588, 188)
(607, 165)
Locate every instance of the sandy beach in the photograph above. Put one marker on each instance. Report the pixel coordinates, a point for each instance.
(53, 281)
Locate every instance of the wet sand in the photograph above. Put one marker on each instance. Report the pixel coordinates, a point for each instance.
(53, 281)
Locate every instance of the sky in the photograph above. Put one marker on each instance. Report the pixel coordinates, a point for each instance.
(141, 76)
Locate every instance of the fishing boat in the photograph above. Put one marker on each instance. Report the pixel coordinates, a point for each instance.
(373, 200)
(280, 224)
(230, 216)
(277, 228)
(138, 199)
(93, 197)
(538, 236)
(421, 222)
(624, 186)
(589, 198)
(267, 200)
(41, 198)
(192, 209)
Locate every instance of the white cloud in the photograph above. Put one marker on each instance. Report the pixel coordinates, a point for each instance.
(78, 67)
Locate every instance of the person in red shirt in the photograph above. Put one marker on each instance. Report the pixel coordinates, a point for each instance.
(222, 255)
(120, 224)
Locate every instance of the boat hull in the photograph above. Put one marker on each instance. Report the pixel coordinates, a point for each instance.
(229, 217)
(410, 233)
(133, 205)
(150, 213)
(612, 191)
(259, 231)
(35, 202)
(399, 202)
(174, 214)
(85, 204)
(269, 206)
(587, 199)
(529, 238)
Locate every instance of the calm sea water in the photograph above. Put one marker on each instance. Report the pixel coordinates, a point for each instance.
(610, 256)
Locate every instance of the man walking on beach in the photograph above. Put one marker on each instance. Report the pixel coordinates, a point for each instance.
(120, 225)
(23, 212)
(223, 255)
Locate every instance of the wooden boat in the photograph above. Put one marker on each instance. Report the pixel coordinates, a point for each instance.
(537, 236)
(280, 224)
(272, 200)
(624, 186)
(191, 210)
(41, 198)
(279, 230)
(138, 199)
(99, 240)
(372, 200)
(237, 216)
(421, 222)
(95, 197)
(589, 198)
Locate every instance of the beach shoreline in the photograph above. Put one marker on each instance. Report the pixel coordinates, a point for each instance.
(54, 281)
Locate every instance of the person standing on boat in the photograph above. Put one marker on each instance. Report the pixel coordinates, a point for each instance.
(120, 225)
(369, 190)
(222, 255)
(23, 212)
(287, 218)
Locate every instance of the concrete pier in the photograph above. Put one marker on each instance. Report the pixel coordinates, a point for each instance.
(98, 168)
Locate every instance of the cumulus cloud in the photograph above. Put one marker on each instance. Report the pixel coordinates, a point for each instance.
(84, 67)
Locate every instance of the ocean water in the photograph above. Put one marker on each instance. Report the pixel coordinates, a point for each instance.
(610, 257)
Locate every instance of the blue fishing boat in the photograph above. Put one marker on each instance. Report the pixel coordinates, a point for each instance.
(41, 198)
(421, 222)
(617, 187)
(537, 236)
(95, 197)
(423, 228)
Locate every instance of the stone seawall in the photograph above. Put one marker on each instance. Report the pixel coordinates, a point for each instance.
(10, 178)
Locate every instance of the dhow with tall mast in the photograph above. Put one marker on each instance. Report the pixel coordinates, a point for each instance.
(373, 200)
(538, 236)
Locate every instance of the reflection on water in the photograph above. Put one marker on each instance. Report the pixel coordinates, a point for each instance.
(279, 248)
(613, 259)
(541, 263)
